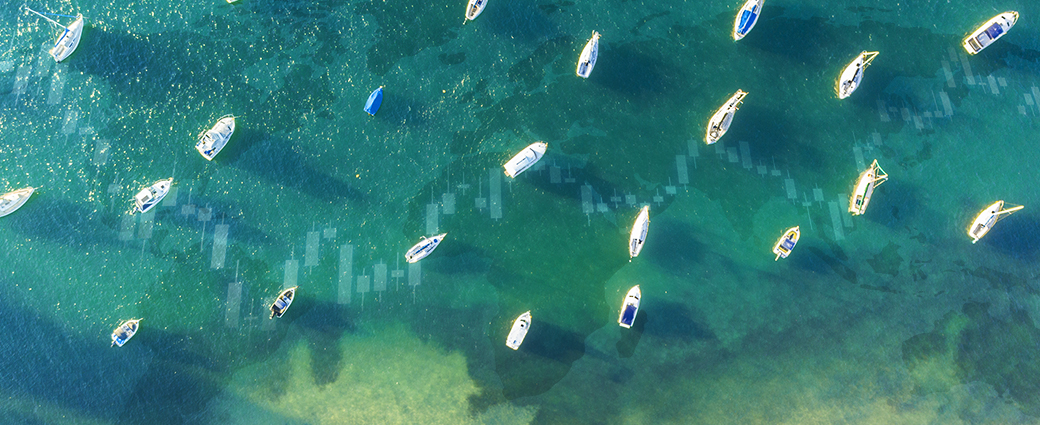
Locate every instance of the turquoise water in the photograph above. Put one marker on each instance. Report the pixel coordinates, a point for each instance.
(889, 317)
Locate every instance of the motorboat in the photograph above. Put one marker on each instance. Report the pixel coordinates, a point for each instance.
(14, 200)
(851, 76)
(786, 243)
(587, 60)
(213, 140)
(629, 308)
(150, 196)
(375, 100)
(720, 122)
(519, 331)
(525, 159)
(990, 31)
(747, 18)
(283, 302)
(424, 248)
(124, 332)
(68, 39)
(987, 218)
(638, 235)
(869, 179)
(473, 9)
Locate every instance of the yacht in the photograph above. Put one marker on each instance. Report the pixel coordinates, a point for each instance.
(870, 178)
(68, 40)
(124, 332)
(629, 308)
(473, 9)
(150, 196)
(424, 248)
(851, 76)
(519, 331)
(638, 235)
(990, 31)
(375, 100)
(786, 243)
(14, 200)
(283, 302)
(747, 18)
(719, 123)
(525, 159)
(213, 140)
(587, 60)
(987, 218)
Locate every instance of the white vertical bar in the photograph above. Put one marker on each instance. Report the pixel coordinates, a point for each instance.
(234, 307)
(219, 246)
(310, 255)
(291, 269)
(346, 272)
(495, 187)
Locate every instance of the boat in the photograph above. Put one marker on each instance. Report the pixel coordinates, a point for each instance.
(525, 159)
(124, 332)
(638, 236)
(473, 9)
(375, 100)
(629, 308)
(786, 243)
(990, 31)
(747, 18)
(424, 248)
(851, 76)
(869, 179)
(587, 60)
(519, 331)
(213, 140)
(987, 218)
(68, 40)
(283, 302)
(150, 196)
(719, 123)
(14, 200)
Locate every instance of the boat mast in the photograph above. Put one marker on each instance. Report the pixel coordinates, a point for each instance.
(1010, 210)
(45, 17)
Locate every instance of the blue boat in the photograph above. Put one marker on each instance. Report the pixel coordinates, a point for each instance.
(629, 307)
(746, 18)
(374, 100)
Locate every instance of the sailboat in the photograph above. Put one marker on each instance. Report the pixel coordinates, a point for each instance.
(851, 76)
(424, 248)
(987, 218)
(14, 200)
(150, 196)
(520, 327)
(525, 159)
(786, 243)
(870, 178)
(719, 123)
(213, 140)
(990, 31)
(587, 60)
(473, 9)
(283, 302)
(124, 332)
(638, 235)
(747, 18)
(68, 40)
(629, 308)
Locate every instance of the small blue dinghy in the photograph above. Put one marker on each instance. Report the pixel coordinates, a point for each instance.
(374, 100)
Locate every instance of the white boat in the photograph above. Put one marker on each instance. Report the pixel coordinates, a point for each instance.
(587, 60)
(525, 159)
(747, 18)
(786, 242)
(851, 76)
(283, 302)
(869, 179)
(990, 31)
(719, 123)
(68, 39)
(987, 218)
(629, 308)
(519, 331)
(150, 196)
(124, 332)
(638, 235)
(14, 200)
(213, 140)
(424, 248)
(473, 9)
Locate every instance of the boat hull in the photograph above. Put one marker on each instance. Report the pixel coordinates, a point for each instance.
(719, 123)
(519, 331)
(474, 9)
(629, 308)
(852, 75)
(786, 243)
(12, 201)
(424, 248)
(989, 32)
(986, 219)
(588, 57)
(375, 100)
(525, 159)
(868, 180)
(212, 141)
(746, 19)
(68, 40)
(638, 236)
(282, 303)
(124, 332)
(150, 196)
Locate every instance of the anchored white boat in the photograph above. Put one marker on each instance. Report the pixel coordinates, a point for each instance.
(851, 76)
(525, 159)
(870, 178)
(719, 123)
(474, 8)
(14, 200)
(124, 332)
(213, 140)
(786, 243)
(638, 235)
(68, 39)
(747, 18)
(519, 331)
(424, 248)
(283, 302)
(150, 196)
(990, 31)
(629, 308)
(987, 218)
(587, 60)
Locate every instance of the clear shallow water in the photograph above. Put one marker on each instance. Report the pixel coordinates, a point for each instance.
(892, 317)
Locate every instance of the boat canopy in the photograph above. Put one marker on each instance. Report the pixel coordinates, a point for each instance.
(994, 30)
(629, 316)
(746, 19)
